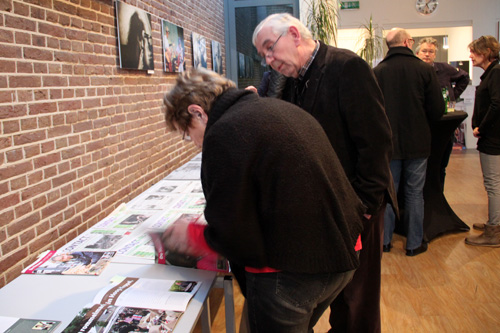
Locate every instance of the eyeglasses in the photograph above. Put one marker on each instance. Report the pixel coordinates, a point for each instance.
(270, 51)
(411, 41)
(186, 137)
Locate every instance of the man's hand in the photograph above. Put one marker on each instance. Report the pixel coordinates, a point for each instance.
(176, 239)
(476, 132)
(251, 88)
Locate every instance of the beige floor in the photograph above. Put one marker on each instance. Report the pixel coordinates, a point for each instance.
(452, 287)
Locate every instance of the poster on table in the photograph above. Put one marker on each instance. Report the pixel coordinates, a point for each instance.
(216, 57)
(199, 46)
(135, 38)
(173, 47)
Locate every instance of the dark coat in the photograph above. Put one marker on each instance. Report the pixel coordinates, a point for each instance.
(487, 111)
(447, 74)
(276, 194)
(413, 99)
(340, 91)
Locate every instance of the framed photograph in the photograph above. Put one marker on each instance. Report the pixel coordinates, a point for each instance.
(173, 47)
(199, 45)
(216, 57)
(134, 37)
(241, 65)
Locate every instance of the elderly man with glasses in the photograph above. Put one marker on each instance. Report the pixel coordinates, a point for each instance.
(339, 89)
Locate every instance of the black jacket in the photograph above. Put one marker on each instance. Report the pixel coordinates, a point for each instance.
(275, 192)
(487, 111)
(340, 91)
(447, 74)
(413, 99)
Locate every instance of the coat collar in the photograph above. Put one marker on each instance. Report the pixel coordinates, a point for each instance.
(399, 50)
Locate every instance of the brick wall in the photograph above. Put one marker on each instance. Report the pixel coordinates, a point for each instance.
(79, 135)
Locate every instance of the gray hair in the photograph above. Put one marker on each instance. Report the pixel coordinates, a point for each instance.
(280, 23)
(426, 40)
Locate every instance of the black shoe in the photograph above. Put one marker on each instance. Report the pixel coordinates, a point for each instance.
(388, 247)
(421, 249)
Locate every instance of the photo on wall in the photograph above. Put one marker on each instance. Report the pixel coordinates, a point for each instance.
(134, 37)
(241, 65)
(216, 57)
(173, 47)
(199, 46)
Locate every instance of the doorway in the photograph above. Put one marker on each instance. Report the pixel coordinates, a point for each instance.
(243, 64)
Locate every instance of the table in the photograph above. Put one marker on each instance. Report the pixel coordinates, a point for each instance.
(439, 218)
(61, 297)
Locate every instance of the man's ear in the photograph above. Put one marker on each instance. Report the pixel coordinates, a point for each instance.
(197, 112)
(294, 32)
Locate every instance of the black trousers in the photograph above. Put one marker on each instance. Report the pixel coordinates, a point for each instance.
(357, 307)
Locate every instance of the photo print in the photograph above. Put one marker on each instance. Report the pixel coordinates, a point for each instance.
(134, 37)
(216, 57)
(173, 47)
(199, 51)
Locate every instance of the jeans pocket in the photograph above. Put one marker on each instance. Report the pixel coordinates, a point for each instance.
(301, 290)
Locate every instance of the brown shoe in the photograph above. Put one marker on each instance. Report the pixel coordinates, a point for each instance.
(478, 226)
(490, 237)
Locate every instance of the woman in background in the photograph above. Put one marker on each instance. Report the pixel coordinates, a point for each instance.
(484, 53)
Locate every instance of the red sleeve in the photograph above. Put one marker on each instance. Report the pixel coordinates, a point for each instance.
(197, 238)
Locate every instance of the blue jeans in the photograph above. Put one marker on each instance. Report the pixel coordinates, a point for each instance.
(290, 302)
(490, 165)
(413, 172)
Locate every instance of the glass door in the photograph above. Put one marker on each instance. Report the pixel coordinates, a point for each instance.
(243, 64)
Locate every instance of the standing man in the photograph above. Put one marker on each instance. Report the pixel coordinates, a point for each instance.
(413, 99)
(455, 80)
(339, 89)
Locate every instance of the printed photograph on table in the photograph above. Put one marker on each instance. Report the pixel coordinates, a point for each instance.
(70, 263)
(199, 45)
(216, 57)
(24, 325)
(173, 47)
(135, 39)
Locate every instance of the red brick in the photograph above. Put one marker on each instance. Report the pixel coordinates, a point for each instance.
(10, 111)
(65, 7)
(7, 66)
(51, 29)
(41, 241)
(70, 105)
(59, 131)
(6, 36)
(15, 170)
(37, 54)
(31, 151)
(55, 81)
(27, 236)
(20, 23)
(23, 209)
(10, 245)
(23, 224)
(29, 137)
(9, 260)
(7, 96)
(54, 208)
(29, 124)
(14, 155)
(46, 160)
(24, 81)
(61, 180)
(39, 108)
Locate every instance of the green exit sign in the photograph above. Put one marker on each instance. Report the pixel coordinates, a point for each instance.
(349, 5)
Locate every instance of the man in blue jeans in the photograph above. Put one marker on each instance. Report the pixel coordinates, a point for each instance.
(413, 99)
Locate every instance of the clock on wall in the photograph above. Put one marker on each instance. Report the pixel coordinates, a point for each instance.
(426, 7)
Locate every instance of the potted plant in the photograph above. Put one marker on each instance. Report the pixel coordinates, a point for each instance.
(322, 20)
(372, 43)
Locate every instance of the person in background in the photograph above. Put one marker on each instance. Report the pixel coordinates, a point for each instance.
(484, 53)
(278, 202)
(455, 80)
(338, 88)
(413, 99)
(271, 85)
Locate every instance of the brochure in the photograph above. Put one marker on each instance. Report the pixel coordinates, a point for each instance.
(24, 325)
(136, 304)
(70, 263)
